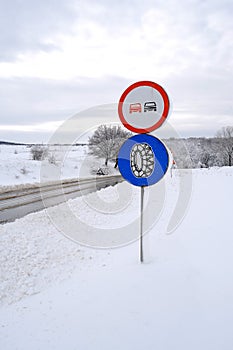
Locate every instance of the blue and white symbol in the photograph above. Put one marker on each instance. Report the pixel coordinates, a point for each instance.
(143, 160)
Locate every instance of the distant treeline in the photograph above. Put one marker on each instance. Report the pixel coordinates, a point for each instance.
(193, 152)
(12, 143)
(201, 152)
(38, 144)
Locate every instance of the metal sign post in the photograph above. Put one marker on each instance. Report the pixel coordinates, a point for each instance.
(141, 225)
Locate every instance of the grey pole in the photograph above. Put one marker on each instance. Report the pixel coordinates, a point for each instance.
(141, 224)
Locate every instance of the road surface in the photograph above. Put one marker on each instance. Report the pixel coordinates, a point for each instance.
(20, 202)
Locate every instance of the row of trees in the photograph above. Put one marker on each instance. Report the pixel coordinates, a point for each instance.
(203, 152)
(188, 153)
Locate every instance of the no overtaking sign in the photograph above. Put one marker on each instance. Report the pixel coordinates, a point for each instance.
(143, 107)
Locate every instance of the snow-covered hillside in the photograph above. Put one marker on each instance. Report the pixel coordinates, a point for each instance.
(57, 294)
(17, 166)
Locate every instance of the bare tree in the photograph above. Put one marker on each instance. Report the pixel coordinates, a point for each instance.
(39, 152)
(106, 142)
(225, 136)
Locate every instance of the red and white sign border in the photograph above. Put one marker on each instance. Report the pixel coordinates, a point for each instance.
(164, 113)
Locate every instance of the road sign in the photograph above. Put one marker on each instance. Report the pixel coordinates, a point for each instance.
(143, 107)
(143, 160)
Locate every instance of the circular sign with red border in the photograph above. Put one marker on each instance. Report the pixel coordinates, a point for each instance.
(143, 107)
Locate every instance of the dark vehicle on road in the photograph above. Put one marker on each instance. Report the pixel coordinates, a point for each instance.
(150, 106)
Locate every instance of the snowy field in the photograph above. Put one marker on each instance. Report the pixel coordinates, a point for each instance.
(17, 166)
(57, 294)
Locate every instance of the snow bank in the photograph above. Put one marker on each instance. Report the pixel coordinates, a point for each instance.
(181, 298)
(17, 167)
(34, 256)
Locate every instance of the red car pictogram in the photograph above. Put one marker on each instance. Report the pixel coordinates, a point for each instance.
(135, 107)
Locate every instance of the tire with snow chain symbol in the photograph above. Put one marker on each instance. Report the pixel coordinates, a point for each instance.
(142, 160)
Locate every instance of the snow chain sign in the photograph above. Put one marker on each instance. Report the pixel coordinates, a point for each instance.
(143, 159)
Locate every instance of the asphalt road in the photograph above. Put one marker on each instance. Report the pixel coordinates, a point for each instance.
(18, 203)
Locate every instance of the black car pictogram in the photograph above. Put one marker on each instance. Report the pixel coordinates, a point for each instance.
(150, 106)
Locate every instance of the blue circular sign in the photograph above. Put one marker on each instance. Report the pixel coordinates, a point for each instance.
(143, 160)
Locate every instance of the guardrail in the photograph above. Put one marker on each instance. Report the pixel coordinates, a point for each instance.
(16, 203)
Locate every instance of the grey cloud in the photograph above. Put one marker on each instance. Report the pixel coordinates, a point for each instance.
(35, 101)
(202, 91)
(202, 88)
(30, 101)
(25, 25)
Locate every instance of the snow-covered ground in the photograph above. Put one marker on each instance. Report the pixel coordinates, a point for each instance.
(57, 294)
(17, 166)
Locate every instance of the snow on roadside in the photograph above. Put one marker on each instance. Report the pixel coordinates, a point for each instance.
(34, 255)
(17, 167)
(180, 299)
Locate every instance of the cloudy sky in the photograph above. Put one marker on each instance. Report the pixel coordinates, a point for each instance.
(59, 57)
